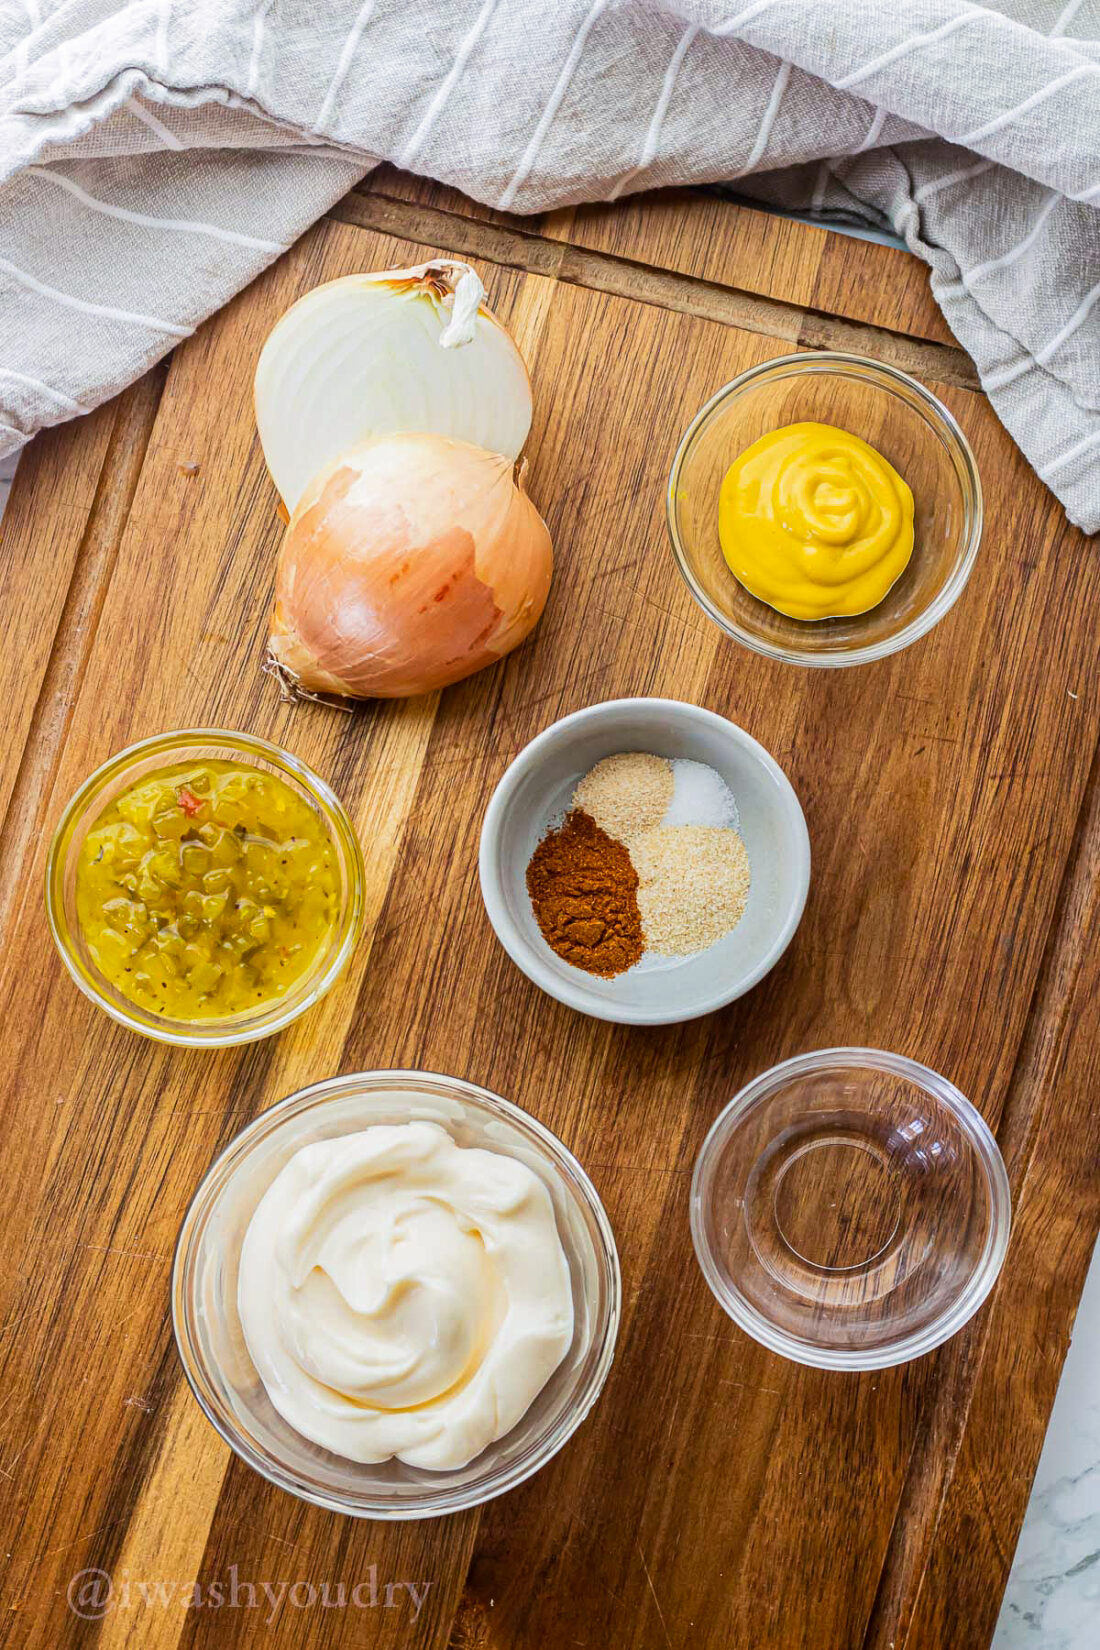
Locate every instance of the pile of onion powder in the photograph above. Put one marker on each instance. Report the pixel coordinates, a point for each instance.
(677, 821)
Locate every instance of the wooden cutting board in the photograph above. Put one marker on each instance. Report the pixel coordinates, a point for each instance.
(718, 1496)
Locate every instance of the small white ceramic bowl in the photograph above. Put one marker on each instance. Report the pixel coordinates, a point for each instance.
(537, 788)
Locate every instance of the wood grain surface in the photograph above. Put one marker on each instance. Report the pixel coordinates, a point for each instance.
(717, 1496)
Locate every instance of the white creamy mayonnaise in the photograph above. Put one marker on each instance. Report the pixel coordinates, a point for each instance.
(403, 1295)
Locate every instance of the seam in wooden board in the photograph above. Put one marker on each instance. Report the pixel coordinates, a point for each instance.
(133, 1466)
(611, 273)
(901, 1578)
(896, 1596)
(1048, 1011)
(93, 566)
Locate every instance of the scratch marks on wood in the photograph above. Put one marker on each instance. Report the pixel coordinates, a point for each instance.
(653, 1590)
(134, 1254)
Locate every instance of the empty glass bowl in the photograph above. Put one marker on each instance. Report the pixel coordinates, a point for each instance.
(211, 1341)
(850, 1209)
(907, 425)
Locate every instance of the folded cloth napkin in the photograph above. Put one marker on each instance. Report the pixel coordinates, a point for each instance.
(156, 154)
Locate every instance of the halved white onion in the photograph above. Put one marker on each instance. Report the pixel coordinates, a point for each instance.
(402, 349)
(411, 562)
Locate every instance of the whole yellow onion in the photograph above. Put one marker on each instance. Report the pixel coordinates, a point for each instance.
(410, 562)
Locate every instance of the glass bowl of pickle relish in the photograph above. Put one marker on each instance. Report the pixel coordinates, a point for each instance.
(204, 888)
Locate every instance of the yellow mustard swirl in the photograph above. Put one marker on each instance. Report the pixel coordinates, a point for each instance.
(815, 522)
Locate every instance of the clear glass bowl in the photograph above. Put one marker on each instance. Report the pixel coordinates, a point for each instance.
(208, 1328)
(899, 417)
(100, 789)
(850, 1209)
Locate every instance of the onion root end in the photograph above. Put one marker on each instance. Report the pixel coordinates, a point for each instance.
(291, 691)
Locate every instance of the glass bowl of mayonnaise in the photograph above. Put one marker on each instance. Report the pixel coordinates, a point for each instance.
(396, 1295)
(825, 509)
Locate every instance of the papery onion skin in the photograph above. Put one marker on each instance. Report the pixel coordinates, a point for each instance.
(411, 562)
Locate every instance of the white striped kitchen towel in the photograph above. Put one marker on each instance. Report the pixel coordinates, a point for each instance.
(156, 154)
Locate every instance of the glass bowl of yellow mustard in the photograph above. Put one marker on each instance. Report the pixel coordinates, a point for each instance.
(825, 509)
(204, 888)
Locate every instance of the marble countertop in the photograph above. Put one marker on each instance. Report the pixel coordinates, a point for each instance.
(1052, 1601)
